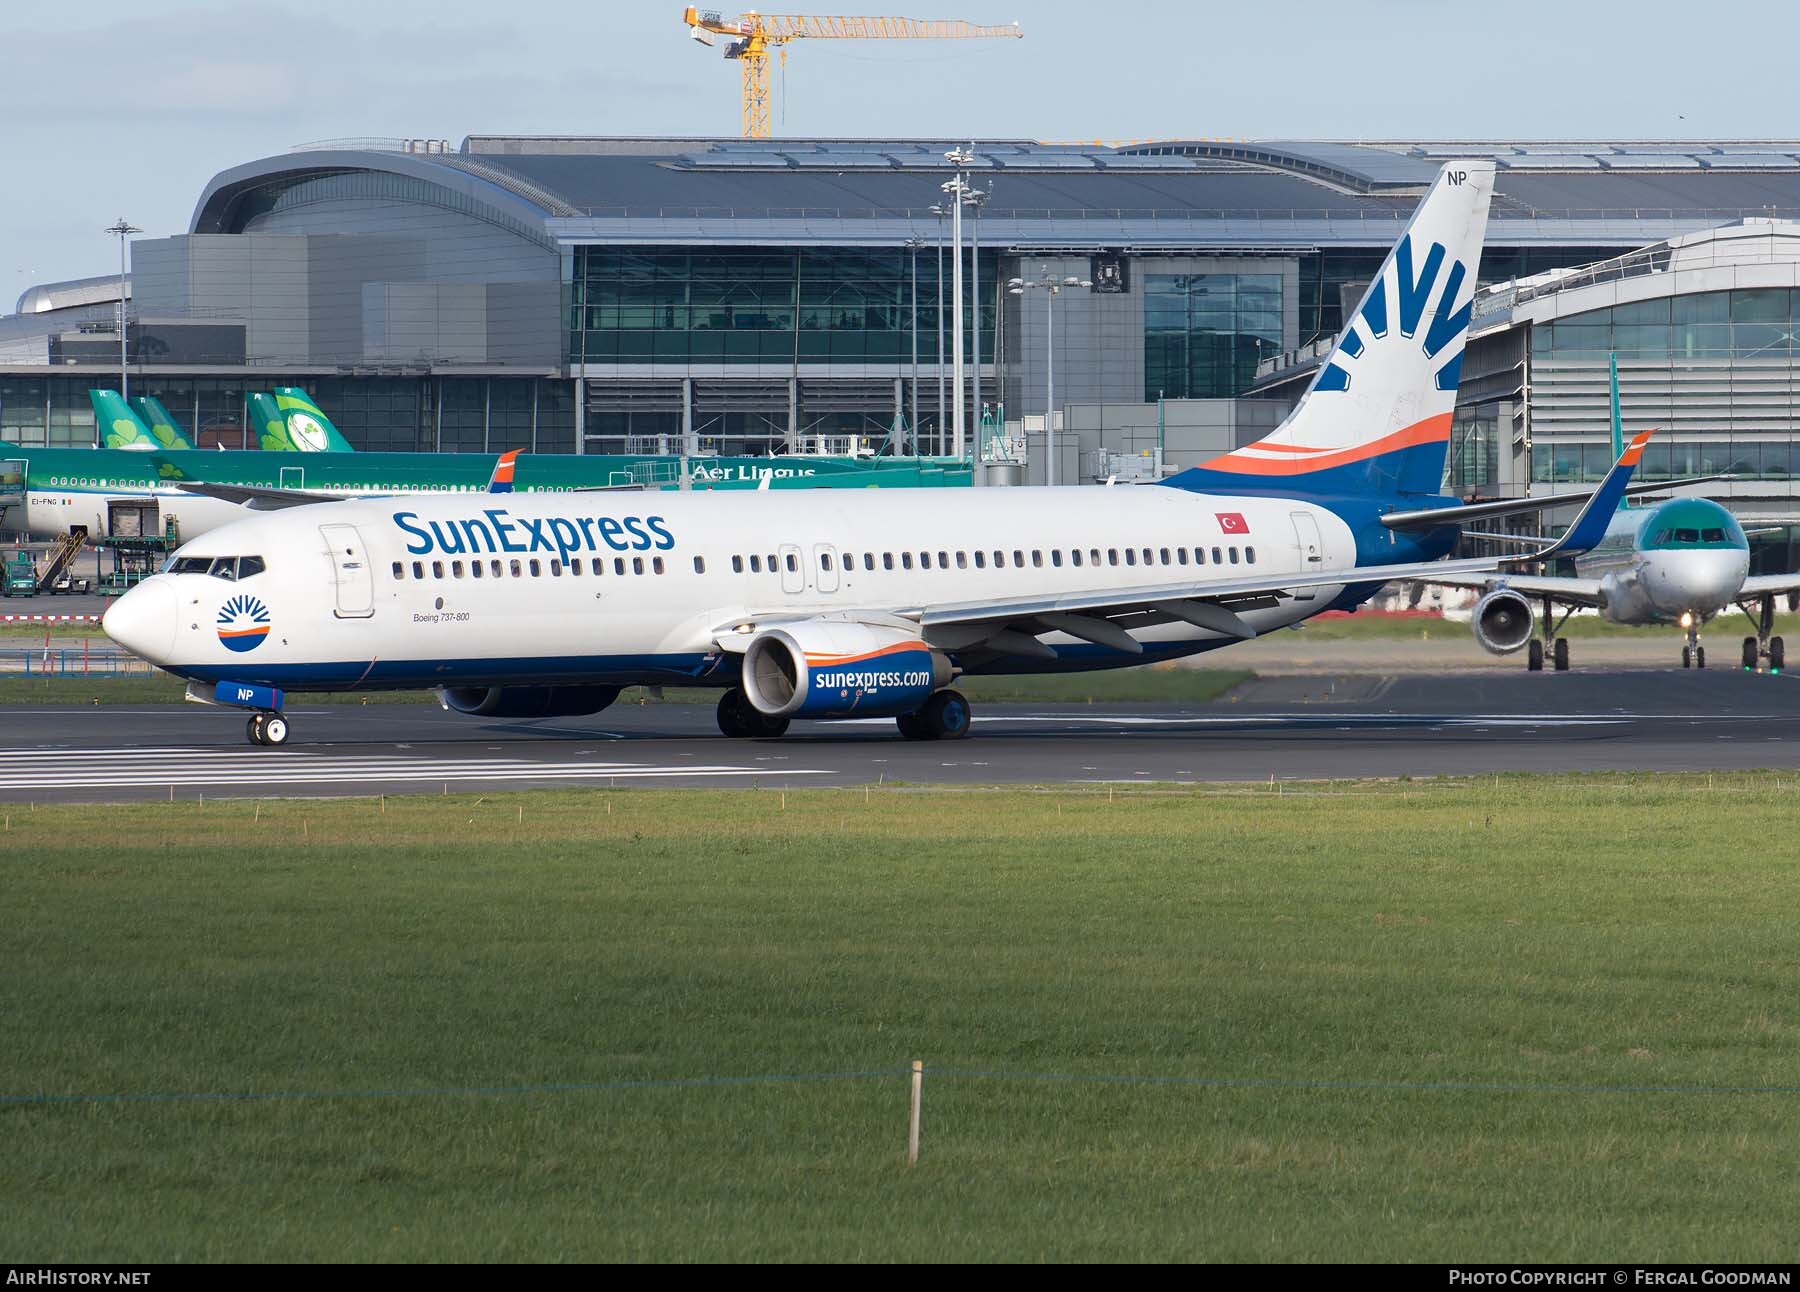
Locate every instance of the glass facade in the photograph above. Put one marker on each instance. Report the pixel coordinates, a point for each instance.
(763, 305)
(1203, 333)
(1754, 323)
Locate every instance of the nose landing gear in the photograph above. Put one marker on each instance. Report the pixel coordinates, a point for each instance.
(269, 729)
(1693, 655)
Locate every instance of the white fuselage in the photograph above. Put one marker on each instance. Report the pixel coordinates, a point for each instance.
(640, 587)
(1641, 583)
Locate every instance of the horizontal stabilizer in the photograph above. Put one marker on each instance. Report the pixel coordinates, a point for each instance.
(255, 495)
(1432, 517)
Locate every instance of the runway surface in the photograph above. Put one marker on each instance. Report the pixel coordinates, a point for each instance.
(1292, 728)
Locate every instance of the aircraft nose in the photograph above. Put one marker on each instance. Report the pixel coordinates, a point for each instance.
(143, 621)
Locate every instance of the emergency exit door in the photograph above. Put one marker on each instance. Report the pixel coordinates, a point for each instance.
(350, 568)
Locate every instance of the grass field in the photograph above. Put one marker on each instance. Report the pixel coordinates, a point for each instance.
(1169, 685)
(1501, 1020)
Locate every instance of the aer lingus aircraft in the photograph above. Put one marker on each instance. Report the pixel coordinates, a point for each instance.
(1680, 562)
(827, 605)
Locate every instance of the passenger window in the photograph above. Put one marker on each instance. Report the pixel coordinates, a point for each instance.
(493, 568)
(575, 566)
(656, 564)
(556, 569)
(536, 569)
(962, 560)
(1093, 556)
(980, 559)
(1218, 557)
(887, 560)
(868, 560)
(249, 567)
(906, 560)
(1056, 557)
(456, 569)
(475, 568)
(772, 566)
(1075, 555)
(1233, 552)
(1149, 559)
(637, 565)
(618, 565)
(437, 569)
(737, 565)
(1199, 556)
(1165, 556)
(1250, 556)
(418, 569)
(1018, 558)
(793, 563)
(399, 570)
(1037, 558)
(225, 567)
(1112, 556)
(518, 571)
(756, 564)
(943, 560)
(824, 560)
(999, 559)
(1131, 556)
(1181, 556)
(699, 565)
(924, 560)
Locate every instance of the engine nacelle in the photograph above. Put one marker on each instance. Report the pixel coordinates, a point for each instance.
(1502, 621)
(528, 701)
(823, 669)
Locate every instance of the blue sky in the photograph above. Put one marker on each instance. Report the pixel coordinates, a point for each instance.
(128, 108)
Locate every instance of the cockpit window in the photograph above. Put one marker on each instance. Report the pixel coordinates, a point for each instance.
(1712, 535)
(1687, 536)
(220, 567)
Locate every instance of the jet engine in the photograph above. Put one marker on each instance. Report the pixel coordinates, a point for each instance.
(1502, 621)
(528, 701)
(824, 669)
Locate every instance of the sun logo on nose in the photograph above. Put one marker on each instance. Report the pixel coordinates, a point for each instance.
(243, 623)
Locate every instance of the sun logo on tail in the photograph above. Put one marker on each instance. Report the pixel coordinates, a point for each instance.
(243, 623)
(1441, 344)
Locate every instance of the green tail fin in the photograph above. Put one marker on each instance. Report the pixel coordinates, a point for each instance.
(1618, 424)
(308, 429)
(268, 423)
(163, 427)
(119, 427)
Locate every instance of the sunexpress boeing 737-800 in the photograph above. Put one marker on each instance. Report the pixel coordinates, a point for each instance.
(830, 605)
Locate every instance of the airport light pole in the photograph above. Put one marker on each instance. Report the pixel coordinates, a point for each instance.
(123, 229)
(1052, 287)
(940, 211)
(912, 245)
(973, 199)
(958, 188)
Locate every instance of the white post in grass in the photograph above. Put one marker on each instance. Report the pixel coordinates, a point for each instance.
(912, 1128)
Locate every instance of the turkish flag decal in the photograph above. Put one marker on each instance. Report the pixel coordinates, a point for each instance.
(1232, 522)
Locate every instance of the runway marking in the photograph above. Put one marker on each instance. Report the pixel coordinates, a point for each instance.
(276, 770)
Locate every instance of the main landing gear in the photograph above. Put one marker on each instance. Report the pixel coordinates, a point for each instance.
(945, 716)
(1693, 655)
(269, 729)
(1765, 645)
(1557, 648)
(740, 719)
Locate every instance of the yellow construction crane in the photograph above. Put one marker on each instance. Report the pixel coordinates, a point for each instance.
(753, 34)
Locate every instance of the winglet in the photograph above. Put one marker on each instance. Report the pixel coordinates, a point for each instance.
(1590, 523)
(502, 479)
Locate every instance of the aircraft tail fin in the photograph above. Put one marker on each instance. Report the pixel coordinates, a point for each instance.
(1376, 419)
(163, 426)
(268, 423)
(118, 426)
(308, 429)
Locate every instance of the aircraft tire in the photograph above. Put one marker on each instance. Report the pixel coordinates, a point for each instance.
(946, 715)
(1699, 657)
(1777, 655)
(1561, 655)
(254, 729)
(1534, 656)
(734, 715)
(1687, 657)
(274, 731)
(1750, 654)
(912, 726)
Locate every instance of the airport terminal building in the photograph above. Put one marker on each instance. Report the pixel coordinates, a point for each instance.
(730, 295)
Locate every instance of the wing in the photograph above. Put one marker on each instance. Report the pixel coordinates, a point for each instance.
(258, 496)
(1578, 592)
(1760, 585)
(1011, 626)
